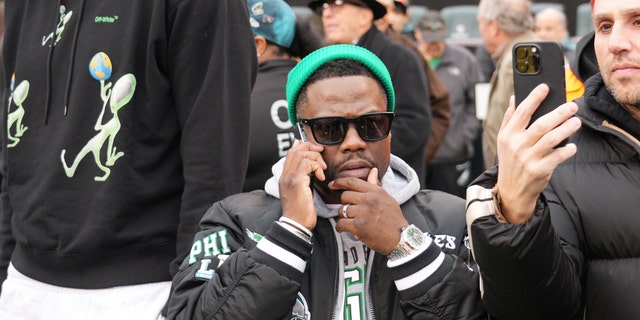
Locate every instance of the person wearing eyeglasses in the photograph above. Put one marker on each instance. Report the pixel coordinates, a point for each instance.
(342, 229)
(352, 22)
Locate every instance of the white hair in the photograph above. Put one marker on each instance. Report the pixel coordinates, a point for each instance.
(512, 16)
(553, 13)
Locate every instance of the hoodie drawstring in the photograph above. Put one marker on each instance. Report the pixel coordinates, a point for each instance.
(72, 59)
(47, 99)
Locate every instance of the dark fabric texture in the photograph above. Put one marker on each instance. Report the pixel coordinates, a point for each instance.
(272, 135)
(584, 63)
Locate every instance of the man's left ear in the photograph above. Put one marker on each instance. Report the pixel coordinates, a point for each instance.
(418, 34)
(261, 45)
(495, 29)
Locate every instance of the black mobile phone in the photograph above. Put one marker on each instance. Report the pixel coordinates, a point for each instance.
(539, 62)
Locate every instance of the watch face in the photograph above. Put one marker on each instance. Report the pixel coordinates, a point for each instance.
(413, 236)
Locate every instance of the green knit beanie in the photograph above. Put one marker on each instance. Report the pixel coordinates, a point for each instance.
(299, 75)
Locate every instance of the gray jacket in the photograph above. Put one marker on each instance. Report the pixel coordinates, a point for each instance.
(459, 71)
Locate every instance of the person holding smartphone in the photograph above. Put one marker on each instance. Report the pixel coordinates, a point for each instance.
(555, 230)
(341, 230)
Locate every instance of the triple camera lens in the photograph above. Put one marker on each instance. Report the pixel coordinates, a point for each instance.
(527, 59)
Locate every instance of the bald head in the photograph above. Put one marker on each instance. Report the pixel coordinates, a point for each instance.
(551, 24)
(552, 14)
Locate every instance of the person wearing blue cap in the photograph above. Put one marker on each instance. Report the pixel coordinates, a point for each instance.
(342, 229)
(274, 26)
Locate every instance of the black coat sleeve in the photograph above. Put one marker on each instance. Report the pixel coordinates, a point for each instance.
(228, 275)
(451, 289)
(530, 270)
(212, 103)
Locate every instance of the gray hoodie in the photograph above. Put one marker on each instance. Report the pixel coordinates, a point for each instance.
(400, 181)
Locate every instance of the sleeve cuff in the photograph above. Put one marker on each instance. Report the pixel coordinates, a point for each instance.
(284, 251)
(418, 272)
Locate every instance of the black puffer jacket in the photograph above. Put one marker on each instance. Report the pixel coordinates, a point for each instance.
(579, 255)
(245, 265)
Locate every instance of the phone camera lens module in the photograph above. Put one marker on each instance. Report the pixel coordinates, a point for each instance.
(522, 52)
(522, 66)
(535, 60)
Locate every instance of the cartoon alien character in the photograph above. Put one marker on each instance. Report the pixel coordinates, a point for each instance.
(64, 19)
(18, 96)
(117, 97)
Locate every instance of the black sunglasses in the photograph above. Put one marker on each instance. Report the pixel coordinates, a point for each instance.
(332, 130)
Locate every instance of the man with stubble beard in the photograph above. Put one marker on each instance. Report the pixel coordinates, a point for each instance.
(555, 230)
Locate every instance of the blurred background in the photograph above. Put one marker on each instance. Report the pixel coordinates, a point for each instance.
(460, 16)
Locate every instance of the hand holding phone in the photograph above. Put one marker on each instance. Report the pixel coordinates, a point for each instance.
(535, 63)
(296, 198)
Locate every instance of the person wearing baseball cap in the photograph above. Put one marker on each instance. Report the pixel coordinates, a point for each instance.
(341, 230)
(352, 22)
(274, 25)
(458, 69)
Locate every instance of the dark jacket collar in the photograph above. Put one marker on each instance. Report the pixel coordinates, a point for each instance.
(601, 106)
(373, 39)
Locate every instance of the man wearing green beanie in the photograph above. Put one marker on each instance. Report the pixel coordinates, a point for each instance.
(352, 22)
(342, 230)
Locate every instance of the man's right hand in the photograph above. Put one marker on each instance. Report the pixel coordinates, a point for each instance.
(302, 161)
(526, 156)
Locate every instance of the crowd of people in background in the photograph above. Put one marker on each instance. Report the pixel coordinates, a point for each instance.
(237, 159)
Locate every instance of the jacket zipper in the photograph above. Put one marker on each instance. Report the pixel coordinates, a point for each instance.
(616, 129)
(336, 277)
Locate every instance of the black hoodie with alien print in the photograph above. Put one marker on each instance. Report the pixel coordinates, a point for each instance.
(125, 121)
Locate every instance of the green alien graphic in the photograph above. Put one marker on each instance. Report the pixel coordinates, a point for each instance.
(117, 97)
(64, 19)
(18, 95)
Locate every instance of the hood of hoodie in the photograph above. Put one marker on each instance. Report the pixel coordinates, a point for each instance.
(400, 181)
(605, 106)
